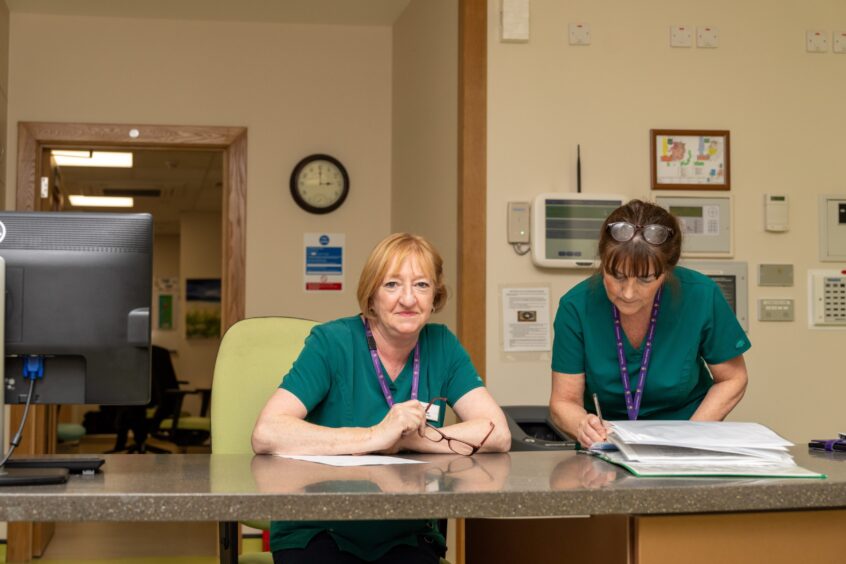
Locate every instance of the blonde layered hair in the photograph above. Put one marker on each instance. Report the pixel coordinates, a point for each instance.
(392, 252)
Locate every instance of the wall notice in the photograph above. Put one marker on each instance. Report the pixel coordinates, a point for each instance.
(525, 315)
(324, 262)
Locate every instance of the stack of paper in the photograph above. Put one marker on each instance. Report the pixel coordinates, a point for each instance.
(699, 448)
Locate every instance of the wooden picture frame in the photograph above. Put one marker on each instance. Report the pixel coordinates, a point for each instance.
(690, 159)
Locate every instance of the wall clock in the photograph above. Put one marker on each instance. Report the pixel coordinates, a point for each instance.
(319, 183)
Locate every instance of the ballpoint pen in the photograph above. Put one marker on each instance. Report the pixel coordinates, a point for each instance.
(598, 411)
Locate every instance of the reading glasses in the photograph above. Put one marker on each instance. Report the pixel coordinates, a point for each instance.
(653, 233)
(457, 446)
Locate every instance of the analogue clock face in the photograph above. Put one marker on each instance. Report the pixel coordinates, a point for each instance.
(319, 184)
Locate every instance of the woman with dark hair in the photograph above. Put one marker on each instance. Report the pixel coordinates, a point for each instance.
(651, 339)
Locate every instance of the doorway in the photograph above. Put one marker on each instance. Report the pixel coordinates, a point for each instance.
(26, 540)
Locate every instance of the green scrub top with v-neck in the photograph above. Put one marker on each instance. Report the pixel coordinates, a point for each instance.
(335, 379)
(695, 326)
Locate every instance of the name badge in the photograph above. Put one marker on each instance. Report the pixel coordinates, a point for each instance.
(433, 413)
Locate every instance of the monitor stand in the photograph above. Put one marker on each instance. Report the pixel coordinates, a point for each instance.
(18, 476)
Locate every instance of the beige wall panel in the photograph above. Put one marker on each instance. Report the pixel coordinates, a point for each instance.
(783, 107)
(199, 258)
(424, 140)
(299, 89)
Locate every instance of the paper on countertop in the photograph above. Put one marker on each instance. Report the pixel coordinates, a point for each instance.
(352, 459)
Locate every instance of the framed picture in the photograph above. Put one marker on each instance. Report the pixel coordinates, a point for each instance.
(202, 308)
(689, 159)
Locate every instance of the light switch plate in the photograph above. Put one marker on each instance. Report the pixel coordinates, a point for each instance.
(775, 275)
(838, 42)
(579, 34)
(707, 38)
(775, 309)
(816, 41)
(514, 27)
(681, 36)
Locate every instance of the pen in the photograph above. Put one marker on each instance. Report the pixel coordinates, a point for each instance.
(828, 445)
(598, 411)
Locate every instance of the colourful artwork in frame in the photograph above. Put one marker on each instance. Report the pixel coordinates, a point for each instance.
(688, 159)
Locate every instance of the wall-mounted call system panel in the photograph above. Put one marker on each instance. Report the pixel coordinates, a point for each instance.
(827, 298)
(705, 221)
(833, 228)
(732, 278)
(565, 227)
(776, 216)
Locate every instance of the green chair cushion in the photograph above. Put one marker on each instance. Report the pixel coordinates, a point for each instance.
(188, 423)
(68, 432)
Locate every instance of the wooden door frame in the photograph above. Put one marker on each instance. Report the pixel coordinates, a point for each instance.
(472, 192)
(472, 178)
(34, 137)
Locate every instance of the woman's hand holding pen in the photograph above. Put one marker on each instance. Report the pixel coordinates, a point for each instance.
(591, 430)
(592, 427)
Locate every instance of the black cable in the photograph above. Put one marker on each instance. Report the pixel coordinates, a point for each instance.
(17, 439)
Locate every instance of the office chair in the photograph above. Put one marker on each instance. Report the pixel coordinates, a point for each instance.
(253, 356)
(163, 418)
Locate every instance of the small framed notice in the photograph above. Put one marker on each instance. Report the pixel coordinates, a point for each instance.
(525, 320)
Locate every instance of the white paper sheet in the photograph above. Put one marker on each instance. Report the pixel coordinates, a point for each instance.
(762, 470)
(715, 435)
(352, 460)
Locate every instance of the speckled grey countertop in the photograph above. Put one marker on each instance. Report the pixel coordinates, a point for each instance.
(521, 484)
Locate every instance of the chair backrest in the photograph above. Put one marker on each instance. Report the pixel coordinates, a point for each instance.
(253, 357)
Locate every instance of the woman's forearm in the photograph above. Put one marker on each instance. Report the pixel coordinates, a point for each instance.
(720, 400)
(286, 434)
(730, 380)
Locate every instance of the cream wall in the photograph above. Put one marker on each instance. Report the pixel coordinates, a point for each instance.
(424, 132)
(299, 89)
(199, 258)
(783, 107)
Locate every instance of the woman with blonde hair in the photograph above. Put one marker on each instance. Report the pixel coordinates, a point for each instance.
(379, 382)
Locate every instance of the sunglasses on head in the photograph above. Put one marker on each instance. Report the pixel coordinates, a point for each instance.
(653, 233)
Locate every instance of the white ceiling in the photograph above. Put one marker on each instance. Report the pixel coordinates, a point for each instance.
(187, 180)
(335, 12)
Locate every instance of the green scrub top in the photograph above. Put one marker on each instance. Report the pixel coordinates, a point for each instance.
(695, 326)
(335, 379)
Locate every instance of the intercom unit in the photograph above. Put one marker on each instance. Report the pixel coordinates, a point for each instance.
(565, 227)
(828, 298)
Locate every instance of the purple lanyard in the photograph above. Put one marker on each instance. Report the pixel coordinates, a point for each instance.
(633, 405)
(374, 355)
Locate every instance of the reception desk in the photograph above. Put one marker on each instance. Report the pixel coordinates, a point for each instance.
(655, 512)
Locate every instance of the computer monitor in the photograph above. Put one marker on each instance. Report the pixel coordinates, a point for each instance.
(78, 292)
(78, 289)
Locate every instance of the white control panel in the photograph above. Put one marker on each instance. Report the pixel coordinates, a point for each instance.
(705, 221)
(828, 298)
(776, 216)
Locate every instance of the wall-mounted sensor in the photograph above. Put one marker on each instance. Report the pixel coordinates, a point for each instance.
(518, 222)
(776, 217)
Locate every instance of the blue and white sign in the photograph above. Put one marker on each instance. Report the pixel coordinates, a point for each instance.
(324, 262)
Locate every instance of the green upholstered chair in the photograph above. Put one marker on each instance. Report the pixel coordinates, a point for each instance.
(253, 356)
